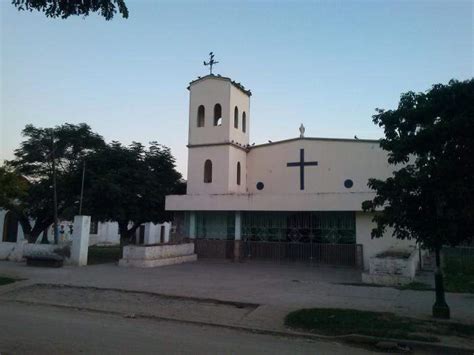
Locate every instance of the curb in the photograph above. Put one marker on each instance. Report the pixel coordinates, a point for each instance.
(21, 283)
(412, 344)
(148, 293)
(352, 339)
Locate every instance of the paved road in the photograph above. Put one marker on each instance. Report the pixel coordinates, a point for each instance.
(32, 329)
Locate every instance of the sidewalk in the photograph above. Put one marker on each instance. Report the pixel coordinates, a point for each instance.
(251, 296)
(286, 287)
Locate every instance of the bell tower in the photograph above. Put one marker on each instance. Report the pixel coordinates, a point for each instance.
(219, 127)
(218, 111)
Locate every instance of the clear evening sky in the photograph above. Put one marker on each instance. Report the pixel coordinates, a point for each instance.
(327, 65)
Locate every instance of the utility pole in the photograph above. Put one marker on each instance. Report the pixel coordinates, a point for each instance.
(55, 194)
(82, 187)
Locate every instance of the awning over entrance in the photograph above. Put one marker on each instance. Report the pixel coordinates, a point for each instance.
(347, 201)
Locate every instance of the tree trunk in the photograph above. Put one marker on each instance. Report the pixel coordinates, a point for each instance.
(440, 308)
(124, 236)
(44, 240)
(26, 226)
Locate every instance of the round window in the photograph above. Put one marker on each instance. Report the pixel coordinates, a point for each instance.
(260, 185)
(348, 183)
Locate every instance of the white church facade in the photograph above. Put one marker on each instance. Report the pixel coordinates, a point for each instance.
(295, 198)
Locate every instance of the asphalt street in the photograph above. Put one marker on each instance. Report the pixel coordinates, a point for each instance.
(34, 329)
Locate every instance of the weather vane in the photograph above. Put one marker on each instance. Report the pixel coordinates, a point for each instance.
(211, 62)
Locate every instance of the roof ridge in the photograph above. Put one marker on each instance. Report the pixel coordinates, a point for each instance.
(218, 76)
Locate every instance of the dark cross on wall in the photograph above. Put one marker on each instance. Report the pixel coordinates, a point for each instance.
(301, 164)
(211, 62)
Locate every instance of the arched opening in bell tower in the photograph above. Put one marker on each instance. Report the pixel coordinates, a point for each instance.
(217, 115)
(236, 117)
(208, 171)
(238, 173)
(200, 116)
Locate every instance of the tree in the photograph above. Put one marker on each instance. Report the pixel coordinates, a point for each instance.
(430, 197)
(66, 8)
(67, 146)
(129, 184)
(12, 186)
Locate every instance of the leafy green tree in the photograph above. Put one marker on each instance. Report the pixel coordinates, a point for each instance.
(129, 184)
(430, 197)
(66, 8)
(12, 186)
(68, 146)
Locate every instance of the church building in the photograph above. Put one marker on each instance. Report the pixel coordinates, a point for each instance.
(295, 199)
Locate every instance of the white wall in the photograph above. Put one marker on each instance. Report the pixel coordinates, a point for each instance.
(269, 202)
(209, 92)
(107, 233)
(338, 160)
(237, 155)
(19, 250)
(153, 232)
(242, 101)
(372, 247)
(219, 155)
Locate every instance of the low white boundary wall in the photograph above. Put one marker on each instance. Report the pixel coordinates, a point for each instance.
(392, 270)
(157, 255)
(18, 251)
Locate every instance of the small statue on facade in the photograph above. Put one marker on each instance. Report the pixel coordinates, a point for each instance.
(302, 129)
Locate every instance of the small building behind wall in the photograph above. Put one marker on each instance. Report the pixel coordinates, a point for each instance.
(101, 233)
(295, 199)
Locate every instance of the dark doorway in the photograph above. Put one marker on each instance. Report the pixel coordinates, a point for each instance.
(10, 228)
(141, 234)
(162, 234)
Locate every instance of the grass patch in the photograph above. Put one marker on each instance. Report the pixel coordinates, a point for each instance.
(103, 255)
(6, 280)
(417, 286)
(459, 274)
(333, 321)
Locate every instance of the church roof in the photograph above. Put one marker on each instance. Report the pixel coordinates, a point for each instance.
(250, 147)
(353, 140)
(219, 77)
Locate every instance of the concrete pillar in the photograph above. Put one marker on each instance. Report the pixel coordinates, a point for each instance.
(149, 234)
(20, 237)
(3, 213)
(80, 240)
(167, 231)
(237, 235)
(192, 225)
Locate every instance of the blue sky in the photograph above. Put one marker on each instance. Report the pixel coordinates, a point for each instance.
(326, 64)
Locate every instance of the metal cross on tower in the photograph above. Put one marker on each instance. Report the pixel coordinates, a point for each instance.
(211, 62)
(301, 164)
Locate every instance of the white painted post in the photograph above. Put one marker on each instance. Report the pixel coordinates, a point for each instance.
(149, 237)
(238, 225)
(3, 213)
(80, 240)
(167, 231)
(192, 225)
(20, 237)
(237, 235)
